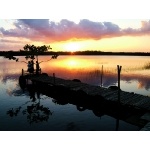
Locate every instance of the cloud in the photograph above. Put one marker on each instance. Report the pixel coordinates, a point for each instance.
(44, 30)
(145, 26)
(12, 43)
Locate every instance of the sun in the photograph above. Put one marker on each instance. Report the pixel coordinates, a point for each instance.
(71, 46)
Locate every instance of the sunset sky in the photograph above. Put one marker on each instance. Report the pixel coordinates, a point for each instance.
(80, 30)
(70, 25)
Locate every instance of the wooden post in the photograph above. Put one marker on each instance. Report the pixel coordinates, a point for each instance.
(102, 76)
(119, 71)
(54, 78)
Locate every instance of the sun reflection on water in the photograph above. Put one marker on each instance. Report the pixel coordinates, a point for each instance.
(72, 63)
(87, 69)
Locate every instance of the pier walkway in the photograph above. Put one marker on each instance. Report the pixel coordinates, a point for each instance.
(128, 106)
(126, 98)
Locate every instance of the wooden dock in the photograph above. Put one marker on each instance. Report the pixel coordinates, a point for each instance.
(126, 98)
(131, 107)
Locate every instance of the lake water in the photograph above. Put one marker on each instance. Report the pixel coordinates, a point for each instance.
(14, 103)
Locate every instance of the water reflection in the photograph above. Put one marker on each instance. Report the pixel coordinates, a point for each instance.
(85, 68)
(88, 70)
(71, 126)
(37, 113)
(34, 111)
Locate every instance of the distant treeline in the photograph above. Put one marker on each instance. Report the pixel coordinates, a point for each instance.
(88, 52)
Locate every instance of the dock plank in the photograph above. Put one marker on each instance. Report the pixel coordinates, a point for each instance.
(126, 98)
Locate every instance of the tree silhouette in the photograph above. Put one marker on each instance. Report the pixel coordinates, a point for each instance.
(10, 56)
(33, 51)
(34, 111)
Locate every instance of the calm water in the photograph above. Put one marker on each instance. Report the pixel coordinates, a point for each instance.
(135, 77)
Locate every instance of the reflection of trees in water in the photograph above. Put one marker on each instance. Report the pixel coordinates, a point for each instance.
(37, 113)
(14, 112)
(34, 111)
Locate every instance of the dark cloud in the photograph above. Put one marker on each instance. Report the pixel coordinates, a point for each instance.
(37, 24)
(45, 30)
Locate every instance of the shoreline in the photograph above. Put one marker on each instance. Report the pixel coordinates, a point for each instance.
(18, 53)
